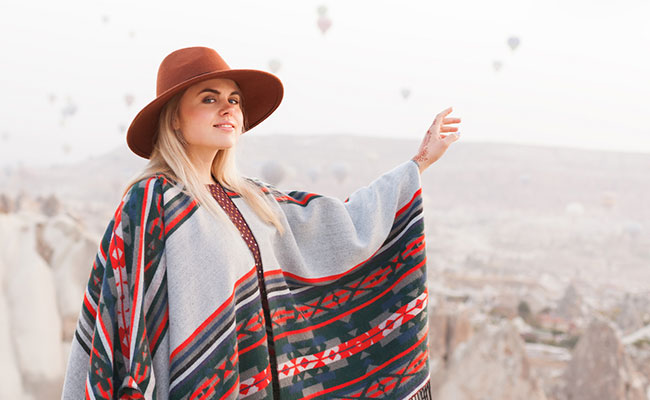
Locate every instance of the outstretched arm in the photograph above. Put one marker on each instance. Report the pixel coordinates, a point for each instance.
(327, 236)
(436, 143)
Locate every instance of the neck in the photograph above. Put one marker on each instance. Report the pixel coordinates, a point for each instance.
(202, 161)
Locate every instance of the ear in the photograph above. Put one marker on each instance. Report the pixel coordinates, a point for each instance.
(175, 124)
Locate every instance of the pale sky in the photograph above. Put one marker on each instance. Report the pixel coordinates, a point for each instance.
(579, 78)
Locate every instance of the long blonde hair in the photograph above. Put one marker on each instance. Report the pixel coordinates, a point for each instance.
(169, 157)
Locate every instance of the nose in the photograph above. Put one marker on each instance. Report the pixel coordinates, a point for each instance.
(227, 108)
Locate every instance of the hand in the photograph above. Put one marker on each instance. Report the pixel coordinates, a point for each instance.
(435, 143)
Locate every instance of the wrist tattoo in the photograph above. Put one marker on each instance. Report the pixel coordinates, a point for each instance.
(421, 159)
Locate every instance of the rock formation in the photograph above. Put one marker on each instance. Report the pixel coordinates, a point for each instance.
(491, 365)
(600, 369)
(44, 268)
(571, 305)
(28, 290)
(449, 326)
(6, 204)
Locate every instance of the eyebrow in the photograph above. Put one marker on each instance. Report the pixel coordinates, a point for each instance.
(217, 92)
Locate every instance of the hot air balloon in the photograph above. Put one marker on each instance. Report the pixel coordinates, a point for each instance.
(5, 136)
(497, 65)
(105, 18)
(132, 34)
(313, 173)
(128, 99)
(340, 171)
(275, 65)
(69, 110)
(324, 23)
(513, 42)
(66, 148)
(273, 172)
(121, 128)
(406, 93)
(322, 11)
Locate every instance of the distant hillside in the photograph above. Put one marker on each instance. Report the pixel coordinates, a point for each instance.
(480, 176)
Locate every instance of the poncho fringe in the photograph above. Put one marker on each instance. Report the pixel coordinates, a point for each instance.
(172, 308)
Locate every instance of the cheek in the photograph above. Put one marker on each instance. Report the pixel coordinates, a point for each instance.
(194, 119)
(197, 114)
(240, 118)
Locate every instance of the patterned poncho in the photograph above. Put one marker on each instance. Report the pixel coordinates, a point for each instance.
(173, 309)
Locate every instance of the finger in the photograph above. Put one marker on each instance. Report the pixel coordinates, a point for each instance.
(449, 129)
(445, 112)
(448, 139)
(451, 121)
(441, 116)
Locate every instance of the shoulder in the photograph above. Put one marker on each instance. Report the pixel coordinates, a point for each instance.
(147, 191)
(265, 187)
(160, 180)
(255, 181)
(282, 197)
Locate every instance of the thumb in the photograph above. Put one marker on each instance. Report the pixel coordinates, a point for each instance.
(452, 137)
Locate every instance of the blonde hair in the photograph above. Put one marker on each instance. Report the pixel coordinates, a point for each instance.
(169, 157)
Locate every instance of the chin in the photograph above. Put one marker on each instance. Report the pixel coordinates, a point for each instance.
(226, 144)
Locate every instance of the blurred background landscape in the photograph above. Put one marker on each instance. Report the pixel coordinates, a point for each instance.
(538, 258)
(537, 219)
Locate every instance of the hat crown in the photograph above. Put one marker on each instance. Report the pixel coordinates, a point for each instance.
(185, 64)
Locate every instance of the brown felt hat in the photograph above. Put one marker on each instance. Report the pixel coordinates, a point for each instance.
(261, 91)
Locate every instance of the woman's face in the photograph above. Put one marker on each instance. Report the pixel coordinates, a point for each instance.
(210, 115)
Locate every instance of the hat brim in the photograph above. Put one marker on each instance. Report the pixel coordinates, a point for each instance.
(261, 91)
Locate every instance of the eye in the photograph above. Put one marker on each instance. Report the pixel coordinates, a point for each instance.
(208, 98)
(236, 100)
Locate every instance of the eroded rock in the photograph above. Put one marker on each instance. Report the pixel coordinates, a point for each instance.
(601, 369)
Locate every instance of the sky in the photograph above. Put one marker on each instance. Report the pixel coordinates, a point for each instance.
(579, 78)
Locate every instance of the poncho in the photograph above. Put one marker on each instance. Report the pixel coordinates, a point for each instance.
(173, 310)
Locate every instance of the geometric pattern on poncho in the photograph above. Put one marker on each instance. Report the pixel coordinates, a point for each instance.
(322, 329)
(360, 334)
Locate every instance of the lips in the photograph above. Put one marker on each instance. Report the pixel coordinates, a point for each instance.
(225, 125)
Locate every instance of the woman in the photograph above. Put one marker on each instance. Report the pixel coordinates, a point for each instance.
(209, 285)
